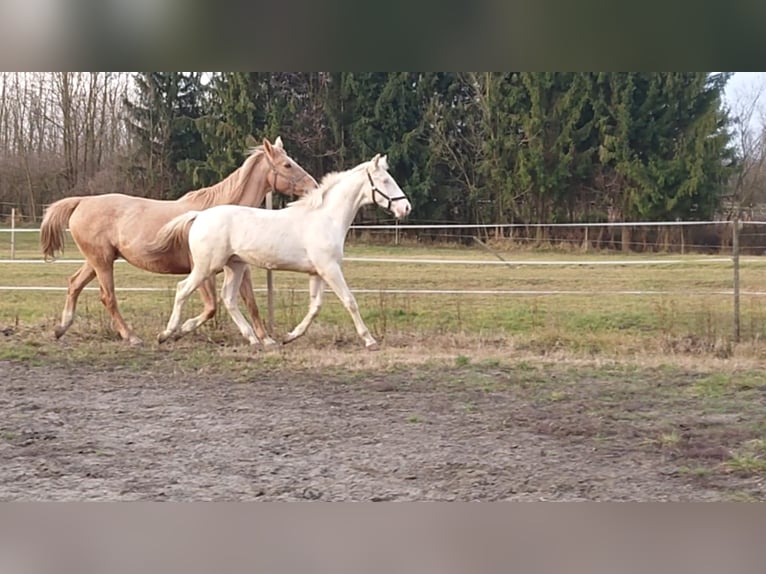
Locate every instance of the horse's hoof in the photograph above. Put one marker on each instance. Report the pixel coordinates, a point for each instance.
(373, 347)
(134, 341)
(270, 345)
(59, 332)
(162, 337)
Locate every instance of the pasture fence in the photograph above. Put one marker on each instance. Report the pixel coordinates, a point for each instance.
(727, 238)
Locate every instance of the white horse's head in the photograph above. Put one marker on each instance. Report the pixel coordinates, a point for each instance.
(385, 191)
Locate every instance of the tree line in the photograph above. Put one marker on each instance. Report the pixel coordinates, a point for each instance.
(467, 147)
(60, 134)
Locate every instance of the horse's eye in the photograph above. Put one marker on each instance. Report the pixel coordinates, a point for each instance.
(288, 165)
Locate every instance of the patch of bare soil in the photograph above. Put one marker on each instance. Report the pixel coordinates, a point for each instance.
(411, 434)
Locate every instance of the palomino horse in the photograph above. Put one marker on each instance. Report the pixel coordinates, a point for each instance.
(114, 225)
(306, 236)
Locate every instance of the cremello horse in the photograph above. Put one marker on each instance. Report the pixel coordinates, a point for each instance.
(306, 236)
(114, 225)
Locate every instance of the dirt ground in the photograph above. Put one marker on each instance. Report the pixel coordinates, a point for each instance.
(91, 434)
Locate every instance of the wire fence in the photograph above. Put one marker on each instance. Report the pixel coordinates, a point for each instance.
(732, 240)
(641, 236)
(683, 237)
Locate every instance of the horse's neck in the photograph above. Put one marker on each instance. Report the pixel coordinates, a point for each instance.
(337, 205)
(254, 187)
(245, 186)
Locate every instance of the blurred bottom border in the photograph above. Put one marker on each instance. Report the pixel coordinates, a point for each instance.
(370, 538)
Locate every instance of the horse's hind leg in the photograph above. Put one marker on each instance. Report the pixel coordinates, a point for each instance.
(246, 292)
(184, 288)
(105, 273)
(207, 293)
(232, 278)
(316, 291)
(334, 278)
(77, 282)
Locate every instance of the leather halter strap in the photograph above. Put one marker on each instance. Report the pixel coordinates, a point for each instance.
(383, 195)
(291, 180)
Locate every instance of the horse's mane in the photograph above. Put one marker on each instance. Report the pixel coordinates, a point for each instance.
(315, 197)
(230, 187)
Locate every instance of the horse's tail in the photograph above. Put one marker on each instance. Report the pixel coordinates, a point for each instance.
(55, 221)
(174, 235)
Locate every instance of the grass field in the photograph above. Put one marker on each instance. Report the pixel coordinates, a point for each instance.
(652, 375)
(686, 307)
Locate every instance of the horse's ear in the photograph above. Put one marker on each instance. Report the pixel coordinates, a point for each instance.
(278, 143)
(267, 146)
(375, 160)
(250, 141)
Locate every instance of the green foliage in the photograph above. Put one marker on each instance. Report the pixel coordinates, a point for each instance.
(487, 147)
(462, 361)
(162, 120)
(554, 159)
(663, 143)
(224, 128)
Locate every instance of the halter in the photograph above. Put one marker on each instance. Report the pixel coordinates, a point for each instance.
(383, 195)
(291, 180)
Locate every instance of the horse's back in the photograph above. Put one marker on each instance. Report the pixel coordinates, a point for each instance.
(124, 225)
(233, 218)
(265, 238)
(117, 209)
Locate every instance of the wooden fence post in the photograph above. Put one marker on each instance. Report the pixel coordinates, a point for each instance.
(269, 282)
(735, 229)
(13, 233)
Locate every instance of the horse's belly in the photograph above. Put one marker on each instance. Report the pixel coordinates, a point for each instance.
(166, 263)
(299, 265)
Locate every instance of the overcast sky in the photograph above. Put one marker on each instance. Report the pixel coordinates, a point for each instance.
(745, 80)
(742, 89)
(745, 84)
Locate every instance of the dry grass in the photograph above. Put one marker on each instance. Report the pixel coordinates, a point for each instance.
(657, 373)
(688, 315)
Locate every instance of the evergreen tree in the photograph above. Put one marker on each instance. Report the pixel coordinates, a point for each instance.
(455, 136)
(664, 145)
(489, 147)
(552, 161)
(370, 113)
(225, 129)
(162, 121)
(294, 108)
(501, 100)
(398, 132)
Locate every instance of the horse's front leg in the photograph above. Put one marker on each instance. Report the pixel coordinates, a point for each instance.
(183, 290)
(105, 273)
(316, 293)
(334, 278)
(207, 294)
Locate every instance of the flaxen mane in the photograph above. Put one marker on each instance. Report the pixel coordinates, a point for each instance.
(315, 197)
(232, 186)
